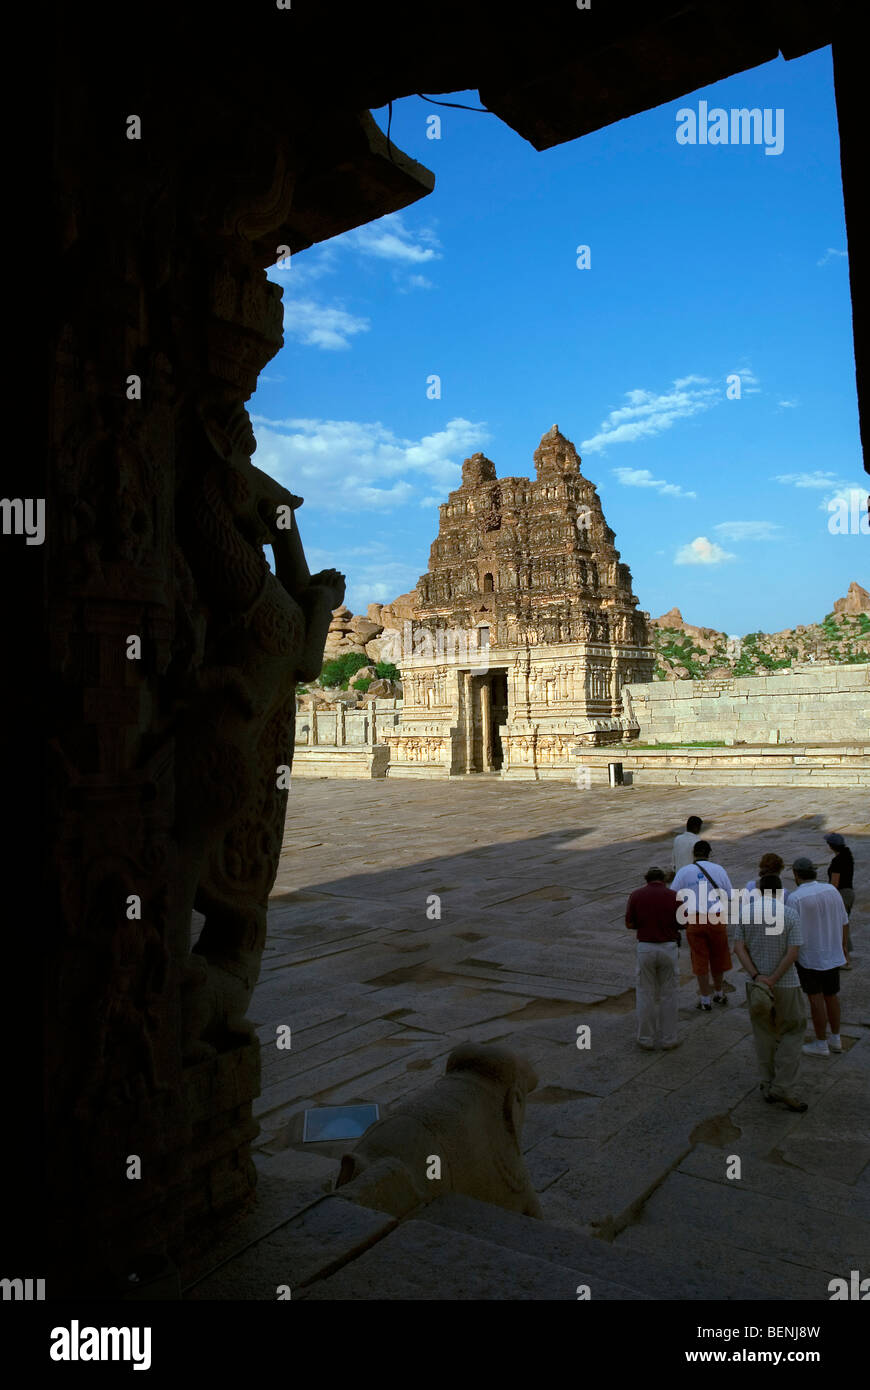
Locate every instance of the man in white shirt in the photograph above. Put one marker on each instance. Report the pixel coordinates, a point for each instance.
(823, 916)
(704, 912)
(685, 842)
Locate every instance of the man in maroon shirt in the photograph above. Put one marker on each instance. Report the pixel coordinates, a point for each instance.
(652, 913)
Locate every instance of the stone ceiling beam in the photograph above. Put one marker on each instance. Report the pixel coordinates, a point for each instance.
(606, 70)
(353, 176)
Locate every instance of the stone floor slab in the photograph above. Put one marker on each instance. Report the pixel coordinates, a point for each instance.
(533, 881)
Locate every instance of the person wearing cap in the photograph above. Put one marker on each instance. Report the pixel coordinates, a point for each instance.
(841, 873)
(651, 911)
(773, 991)
(823, 917)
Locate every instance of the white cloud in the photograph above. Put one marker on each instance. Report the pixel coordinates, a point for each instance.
(837, 491)
(387, 239)
(788, 405)
(415, 282)
(830, 255)
(748, 530)
(816, 479)
(848, 495)
(349, 465)
(321, 325)
(331, 326)
(379, 582)
(641, 477)
(373, 573)
(390, 240)
(377, 498)
(302, 268)
(649, 413)
(702, 551)
(749, 384)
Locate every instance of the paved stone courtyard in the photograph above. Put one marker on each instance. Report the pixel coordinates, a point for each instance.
(622, 1144)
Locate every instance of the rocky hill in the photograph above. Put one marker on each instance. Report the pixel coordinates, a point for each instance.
(684, 651)
(362, 655)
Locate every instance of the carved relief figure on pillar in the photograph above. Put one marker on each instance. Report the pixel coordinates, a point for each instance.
(259, 633)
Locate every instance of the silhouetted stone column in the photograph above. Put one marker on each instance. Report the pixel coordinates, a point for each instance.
(174, 649)
(849, 54)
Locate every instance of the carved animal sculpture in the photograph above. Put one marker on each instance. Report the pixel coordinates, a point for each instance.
(471, 1120)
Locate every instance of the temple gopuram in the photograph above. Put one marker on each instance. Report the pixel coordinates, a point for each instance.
(525, 632)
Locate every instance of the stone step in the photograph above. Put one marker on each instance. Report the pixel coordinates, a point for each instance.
(424, 1260)
(308, 1246)
(645, 1276)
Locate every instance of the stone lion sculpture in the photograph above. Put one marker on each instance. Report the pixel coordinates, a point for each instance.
(470, 1121)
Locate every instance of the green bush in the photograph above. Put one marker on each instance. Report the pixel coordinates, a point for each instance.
(684, 652)
(339, 671)
(362, 684)
(386, 671)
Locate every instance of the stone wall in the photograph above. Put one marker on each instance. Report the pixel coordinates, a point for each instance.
(825, 704)
(776, 765)
(344, 742)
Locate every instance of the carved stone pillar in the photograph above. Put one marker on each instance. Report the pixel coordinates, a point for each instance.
(615, 700)
(486, 724)
(173, 649)
(467, 690)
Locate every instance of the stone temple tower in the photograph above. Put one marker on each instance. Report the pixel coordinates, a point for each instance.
(526, 628)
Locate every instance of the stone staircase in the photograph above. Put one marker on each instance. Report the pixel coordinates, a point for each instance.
(699, 1238)
(797, 1216)
(630, 1152)
(461, 1249)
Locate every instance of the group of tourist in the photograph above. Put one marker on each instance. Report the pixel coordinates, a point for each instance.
(790, 943)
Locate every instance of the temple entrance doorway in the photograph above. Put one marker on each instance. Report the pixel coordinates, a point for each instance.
(486, 709)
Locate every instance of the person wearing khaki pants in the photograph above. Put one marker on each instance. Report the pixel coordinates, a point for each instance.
(656, 982)
(767, 944)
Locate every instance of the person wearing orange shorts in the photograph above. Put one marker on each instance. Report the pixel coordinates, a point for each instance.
(704, 889)
(708, 946)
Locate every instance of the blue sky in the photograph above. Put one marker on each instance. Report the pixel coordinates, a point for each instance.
(705, 261)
